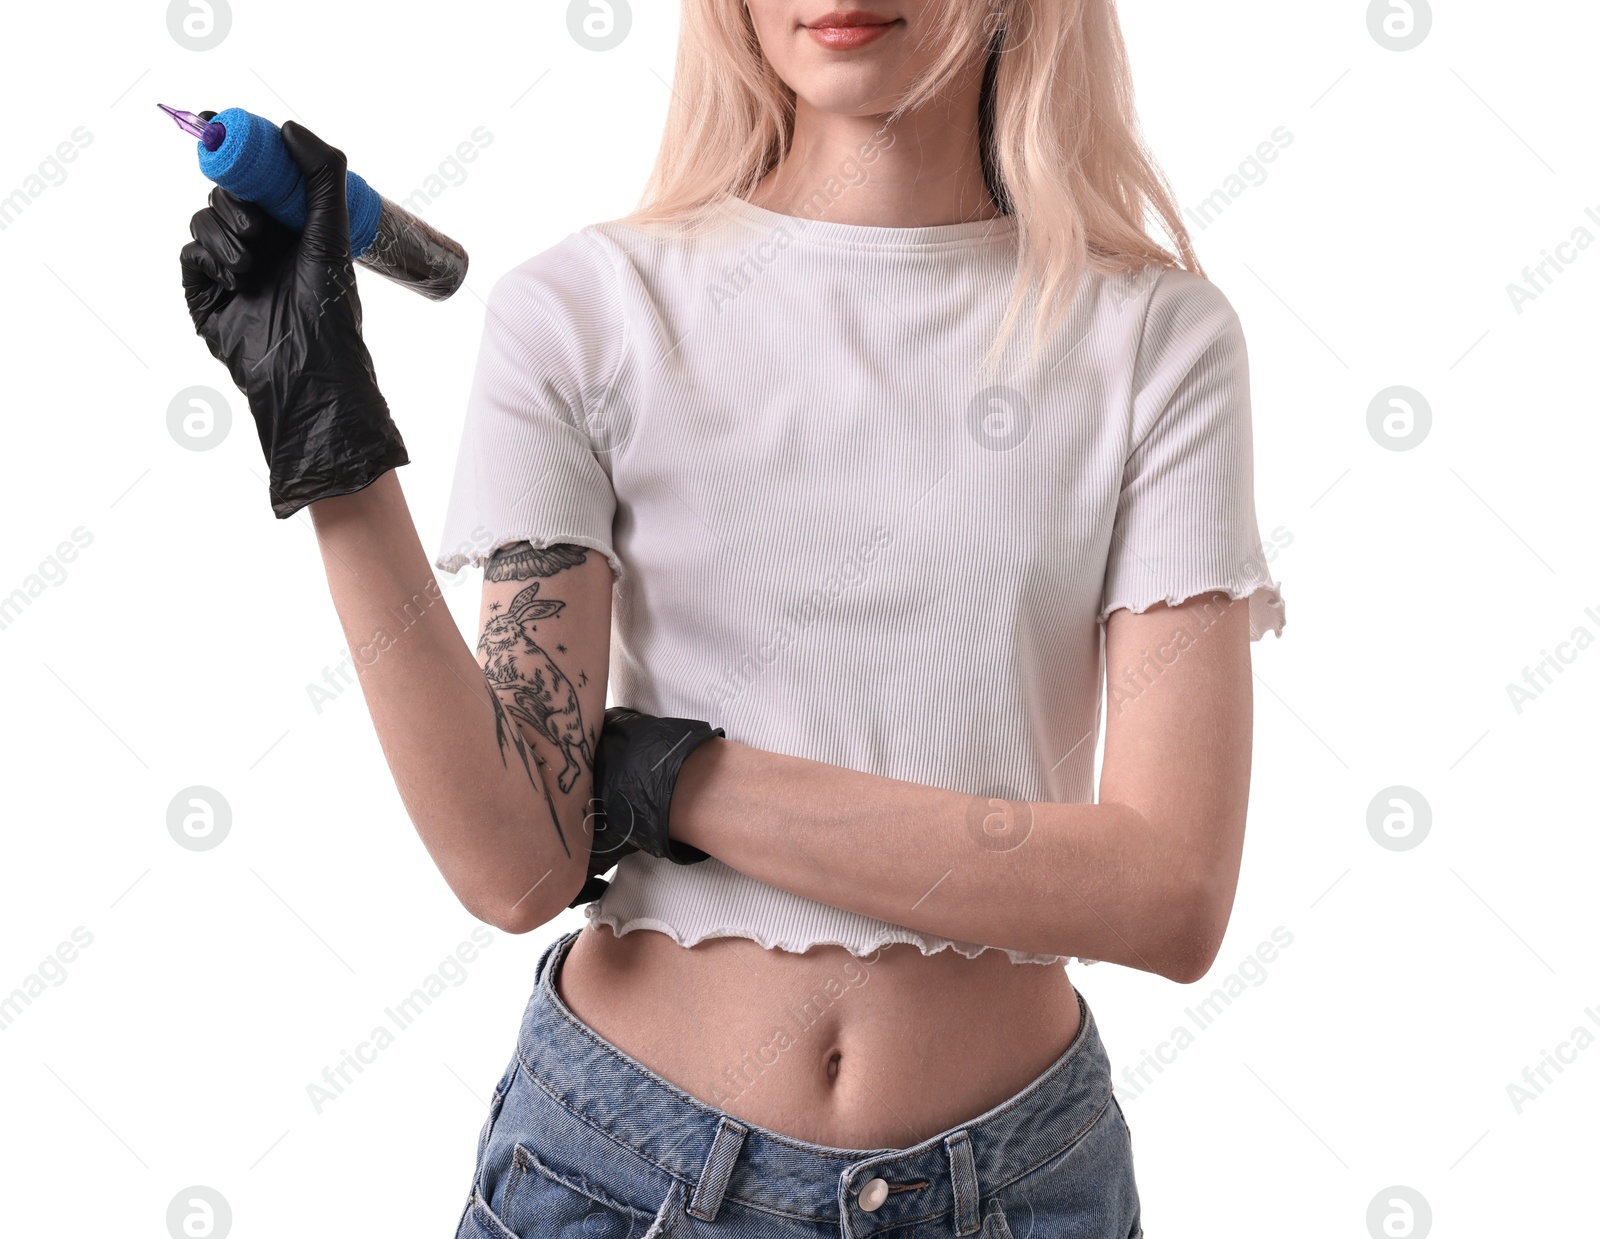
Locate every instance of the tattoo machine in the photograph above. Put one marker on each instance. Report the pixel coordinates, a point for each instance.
(244, 153)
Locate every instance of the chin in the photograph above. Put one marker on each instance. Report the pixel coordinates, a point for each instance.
(848, 92)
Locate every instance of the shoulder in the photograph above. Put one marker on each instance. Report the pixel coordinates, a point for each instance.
(554, 320)
(575, 274)
(1184, 310)
(1190, 363)
(1186, 328)
(1154, 315)
(568, 287)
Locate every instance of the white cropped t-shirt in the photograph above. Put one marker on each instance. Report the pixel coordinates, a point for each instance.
(827, 536)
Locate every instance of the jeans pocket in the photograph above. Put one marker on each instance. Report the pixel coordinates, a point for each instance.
(481, 1222)
(539, 1199)
(495, 1103)
(1085, 1188)
(474, 1197)
(1138, 1229)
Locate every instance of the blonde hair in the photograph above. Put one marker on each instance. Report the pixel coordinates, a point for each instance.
(1059, 138)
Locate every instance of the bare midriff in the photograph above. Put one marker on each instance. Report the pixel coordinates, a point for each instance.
(852, 1052)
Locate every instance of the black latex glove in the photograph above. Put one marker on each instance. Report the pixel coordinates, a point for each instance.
(635, 768)
(607, 846)
(281, 311)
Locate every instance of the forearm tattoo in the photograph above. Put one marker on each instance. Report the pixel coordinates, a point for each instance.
(526, 684)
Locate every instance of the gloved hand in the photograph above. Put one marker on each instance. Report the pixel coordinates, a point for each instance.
(281, 311)
(606, 847)
(636, 766)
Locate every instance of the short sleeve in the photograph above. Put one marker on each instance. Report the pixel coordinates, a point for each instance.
(527, 469)
(1186, 521)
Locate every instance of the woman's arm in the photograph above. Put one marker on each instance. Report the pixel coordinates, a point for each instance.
(496, 781)
(1144, 878)
(470, 746)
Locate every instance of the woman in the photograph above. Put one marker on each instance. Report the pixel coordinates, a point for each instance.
(885, 548)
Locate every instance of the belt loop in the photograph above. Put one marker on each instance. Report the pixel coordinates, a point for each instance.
(707, 1198)
(964, 1177)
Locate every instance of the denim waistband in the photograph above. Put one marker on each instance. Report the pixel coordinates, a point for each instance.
(718, 1157)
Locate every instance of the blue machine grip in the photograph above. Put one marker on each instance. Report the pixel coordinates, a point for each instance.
(252, 163)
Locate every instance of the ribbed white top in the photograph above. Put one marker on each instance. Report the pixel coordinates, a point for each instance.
(827, 536)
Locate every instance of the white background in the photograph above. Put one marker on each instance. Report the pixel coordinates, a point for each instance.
(178, 649)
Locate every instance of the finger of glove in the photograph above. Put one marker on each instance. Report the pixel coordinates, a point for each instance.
(202, 274)
(326, 235)
(591, 890)
(244, 219)
(614, 837)
(203, 292)
(230, 255)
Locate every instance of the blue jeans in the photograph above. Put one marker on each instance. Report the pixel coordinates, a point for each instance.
(584, 1142)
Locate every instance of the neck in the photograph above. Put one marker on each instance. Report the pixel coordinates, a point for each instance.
(923, 170)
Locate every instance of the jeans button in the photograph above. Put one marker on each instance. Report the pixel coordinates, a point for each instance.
(872, 1194)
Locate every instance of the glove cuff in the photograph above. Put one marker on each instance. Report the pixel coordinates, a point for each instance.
(637, 764)
(342, 468)
(698, 732)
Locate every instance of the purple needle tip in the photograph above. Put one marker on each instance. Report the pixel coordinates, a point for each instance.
(209, 132)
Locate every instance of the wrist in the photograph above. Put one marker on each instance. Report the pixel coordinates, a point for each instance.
(336, 457)
(686, 818)
(354, 477)
(374, 504)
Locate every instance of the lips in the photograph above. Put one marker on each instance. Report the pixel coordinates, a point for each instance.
(844, 19)
(846, 29)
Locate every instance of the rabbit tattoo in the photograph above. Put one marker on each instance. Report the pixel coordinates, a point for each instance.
(531, 687)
